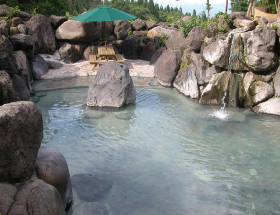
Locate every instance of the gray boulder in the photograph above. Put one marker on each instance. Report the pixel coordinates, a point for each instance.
(212, 30)
(201, 69)
(186, 18)
(112, 87)
(90, 50)
(22, 64)
(40, 28)
(150, 24)
(21, 28)
(158, 31)
(225, 89)
(260, 91)
(194, 39)
(36, 197)
(244, 23)
(4, 28)
(216, 51)
(4, 9)
(110, 26)
(90, 208)
(38, 66)
(76, 31)
(272, 106)
(24, 15)
(239, 15)
(57, 20)
(71, 53)
(16, 21)
(253, 50)
(121, 29)
(6, 45)
(25, 43)
(276, 82)
(20, 88)
(148, 51)
(52, 168)
(132, 46)
(260, 53)
(138, 24)
(91, 188)
(175, 40)
(167, 67)
(7, 64)
(156, 55)
(22, 126)
(186, 57)
(7, 197)
(186, 82)
(7, 92)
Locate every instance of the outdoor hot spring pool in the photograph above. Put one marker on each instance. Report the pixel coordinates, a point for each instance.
(166, 154)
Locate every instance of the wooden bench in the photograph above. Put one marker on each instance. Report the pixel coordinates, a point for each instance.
(92, 59)
(120, 58)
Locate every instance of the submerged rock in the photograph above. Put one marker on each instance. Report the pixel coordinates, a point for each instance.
(90, 208)
(91, 188)
(52, 168)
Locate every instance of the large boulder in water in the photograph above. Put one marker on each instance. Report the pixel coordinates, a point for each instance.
(112, 87)
(52, 168)
(40, 28)
(20, 88)
(224, 88)
(37, 197)
(272, 106)
(167, 67)
(79, 31)
(186, 82)
(22, 126)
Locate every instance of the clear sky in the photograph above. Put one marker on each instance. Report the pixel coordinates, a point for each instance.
(198, 5)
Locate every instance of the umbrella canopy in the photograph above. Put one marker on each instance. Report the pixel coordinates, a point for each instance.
(104, 13)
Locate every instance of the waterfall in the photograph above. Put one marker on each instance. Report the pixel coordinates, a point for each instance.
(222, 114)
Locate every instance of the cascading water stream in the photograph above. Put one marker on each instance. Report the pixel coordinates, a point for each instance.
(222, 114)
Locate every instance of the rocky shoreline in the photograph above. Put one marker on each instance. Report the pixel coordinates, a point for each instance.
(236, 68)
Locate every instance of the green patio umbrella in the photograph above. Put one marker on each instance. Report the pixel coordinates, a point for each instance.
(104, 13)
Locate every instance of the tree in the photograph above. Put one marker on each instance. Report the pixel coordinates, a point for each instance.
(208, 8)
(194, 12)
(239, 5)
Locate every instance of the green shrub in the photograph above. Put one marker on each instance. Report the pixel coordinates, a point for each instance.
(14, 12)
(170, 19)
(162, 39)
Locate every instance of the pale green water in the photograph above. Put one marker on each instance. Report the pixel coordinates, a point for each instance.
(166, 155)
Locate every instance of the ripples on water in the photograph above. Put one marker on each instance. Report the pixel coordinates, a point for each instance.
(168, 155)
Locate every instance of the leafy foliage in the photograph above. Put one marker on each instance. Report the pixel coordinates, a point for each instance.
(200, 21)
(163, 38)
(239, 5)
(268, 4)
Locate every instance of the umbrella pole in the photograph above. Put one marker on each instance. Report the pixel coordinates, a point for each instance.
(105, 35)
